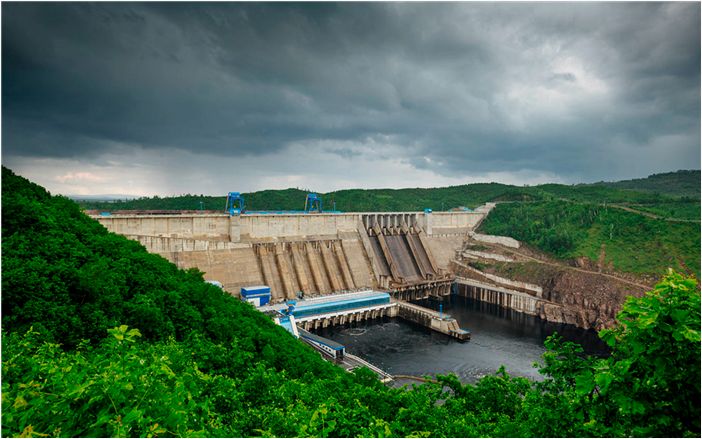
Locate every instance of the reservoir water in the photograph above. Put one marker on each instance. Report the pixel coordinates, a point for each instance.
(499, 337)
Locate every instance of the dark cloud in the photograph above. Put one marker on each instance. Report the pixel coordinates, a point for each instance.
(555, 88)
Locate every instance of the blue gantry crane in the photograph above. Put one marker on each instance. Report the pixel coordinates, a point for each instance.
(313, 203)
(235, 203)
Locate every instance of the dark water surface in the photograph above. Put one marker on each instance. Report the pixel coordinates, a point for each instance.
(499, 337)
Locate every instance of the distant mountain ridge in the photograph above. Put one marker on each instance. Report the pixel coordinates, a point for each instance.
(682, 183)
(657, 188)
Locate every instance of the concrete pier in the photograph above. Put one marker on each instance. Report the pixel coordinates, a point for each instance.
(431, 319)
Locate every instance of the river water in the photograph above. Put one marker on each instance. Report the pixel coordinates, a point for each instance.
(499, 337)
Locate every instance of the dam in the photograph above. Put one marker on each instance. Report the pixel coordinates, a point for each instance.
(412, 256)
(310, 254)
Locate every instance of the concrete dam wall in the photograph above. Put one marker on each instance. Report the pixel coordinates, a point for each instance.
(313, 254)
(256, 227)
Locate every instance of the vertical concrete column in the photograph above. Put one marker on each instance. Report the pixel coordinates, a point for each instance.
(427, 219)
(234, 228)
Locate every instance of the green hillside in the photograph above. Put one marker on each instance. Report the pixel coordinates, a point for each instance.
(102, 339)
(632, 242)
(676, 184)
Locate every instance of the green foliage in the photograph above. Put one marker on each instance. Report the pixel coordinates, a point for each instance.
(653, 373)
(352, 200)
(102, 339)
(650, 384)
(685, 209)
(633, 243)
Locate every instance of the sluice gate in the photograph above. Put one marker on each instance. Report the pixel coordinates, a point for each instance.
(401, 258)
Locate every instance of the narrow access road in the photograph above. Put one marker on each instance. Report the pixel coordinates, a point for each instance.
(561, 265)
(652, 215)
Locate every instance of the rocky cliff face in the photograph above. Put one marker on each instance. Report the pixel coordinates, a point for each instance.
(584, 300)
(572, 295)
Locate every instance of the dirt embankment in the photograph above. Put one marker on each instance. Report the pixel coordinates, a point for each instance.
(577, 295)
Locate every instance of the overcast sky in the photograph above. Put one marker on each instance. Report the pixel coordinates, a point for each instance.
(141, 99)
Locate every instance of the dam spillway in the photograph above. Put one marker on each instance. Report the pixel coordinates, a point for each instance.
(407, 253)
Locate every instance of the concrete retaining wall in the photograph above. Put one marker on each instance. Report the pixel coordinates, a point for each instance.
(455, 220)
(536, 289)
(256, 227)
(159, 244)
(234, 268)
(505, 298)
(495, 239)
(483, 255)
(172, 226)
(312, 253)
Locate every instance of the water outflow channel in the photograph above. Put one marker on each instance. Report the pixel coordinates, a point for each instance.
(499, 337)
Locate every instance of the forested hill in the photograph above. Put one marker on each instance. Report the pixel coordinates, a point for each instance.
(678, 184)
(659, 188)
(102, 339)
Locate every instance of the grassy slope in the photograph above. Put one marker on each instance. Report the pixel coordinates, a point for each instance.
(678, 210)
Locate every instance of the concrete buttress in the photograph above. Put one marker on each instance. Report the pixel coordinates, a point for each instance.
(331, 267)
(316, 269)
(343, 265)
(285, 271)
(303, 278)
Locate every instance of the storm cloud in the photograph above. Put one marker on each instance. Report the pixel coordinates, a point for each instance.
(455, 92)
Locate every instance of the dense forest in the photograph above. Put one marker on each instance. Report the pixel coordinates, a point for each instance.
(101, 338)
